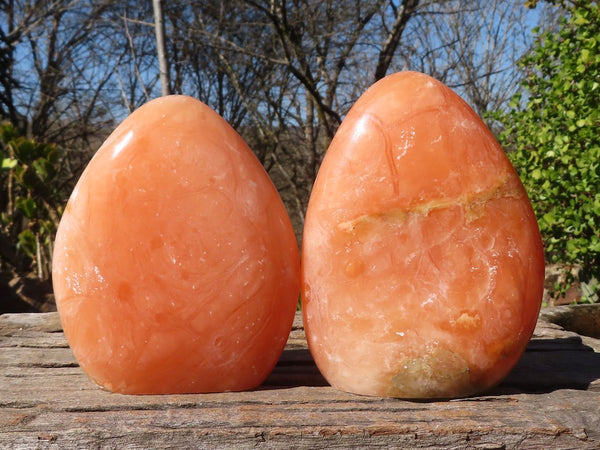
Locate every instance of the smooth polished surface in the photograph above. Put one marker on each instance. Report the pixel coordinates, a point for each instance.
(176, 268)
(422, 260)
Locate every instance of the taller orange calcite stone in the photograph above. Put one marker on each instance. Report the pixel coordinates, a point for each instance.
(176, 268)
(422, 260)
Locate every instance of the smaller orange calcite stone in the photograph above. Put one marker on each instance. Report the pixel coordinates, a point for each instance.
(176, 269)
(422, 260)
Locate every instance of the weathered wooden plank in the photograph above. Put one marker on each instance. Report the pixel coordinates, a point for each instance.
(508, 422)
(289, 438)
(13, 323)
(583, 319)
(35, 340)
(550, 400)
(40, 357)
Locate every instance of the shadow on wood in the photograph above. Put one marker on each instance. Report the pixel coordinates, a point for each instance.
(295, 368)
(551, 364)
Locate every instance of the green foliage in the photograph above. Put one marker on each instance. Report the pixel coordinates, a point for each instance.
(30, 204)
(533, 3)
(552, 133)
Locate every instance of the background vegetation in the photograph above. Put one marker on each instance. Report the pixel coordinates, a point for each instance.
(551, 126)
(284, 73)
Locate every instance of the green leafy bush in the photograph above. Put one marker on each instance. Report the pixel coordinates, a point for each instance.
(30, 206)
(552, 132)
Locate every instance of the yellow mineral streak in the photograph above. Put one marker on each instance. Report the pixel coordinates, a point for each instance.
(474, 204)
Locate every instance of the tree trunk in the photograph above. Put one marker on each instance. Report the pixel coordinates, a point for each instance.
(161, 47)
(403, 13)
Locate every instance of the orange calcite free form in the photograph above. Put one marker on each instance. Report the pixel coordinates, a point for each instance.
(422, 260)
(175, 268)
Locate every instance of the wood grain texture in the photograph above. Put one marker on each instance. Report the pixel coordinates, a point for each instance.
(550, 400)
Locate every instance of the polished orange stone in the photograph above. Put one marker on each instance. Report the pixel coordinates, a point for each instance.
(422, 260)
(175, 267)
